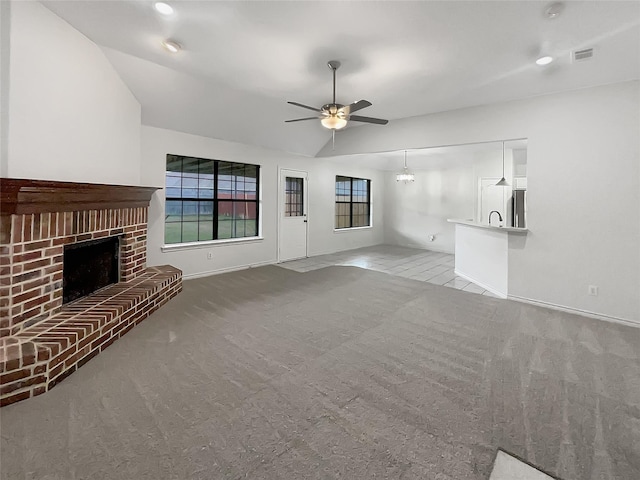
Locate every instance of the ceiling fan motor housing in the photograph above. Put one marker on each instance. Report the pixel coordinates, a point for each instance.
(334, 109)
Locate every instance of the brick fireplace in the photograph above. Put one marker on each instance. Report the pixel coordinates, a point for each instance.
(41, 340)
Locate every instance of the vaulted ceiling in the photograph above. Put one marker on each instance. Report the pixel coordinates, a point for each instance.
(242, 61)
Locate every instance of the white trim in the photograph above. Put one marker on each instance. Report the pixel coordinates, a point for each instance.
(235, 268)
(208, 244)
(338, 250)
(480, 284)
(351, 229)
(576, 311)
(424, 247)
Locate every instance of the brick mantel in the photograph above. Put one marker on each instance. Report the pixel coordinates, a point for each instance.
(22, 196)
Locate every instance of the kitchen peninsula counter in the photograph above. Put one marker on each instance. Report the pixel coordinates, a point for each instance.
(471, 223)
(482, 254)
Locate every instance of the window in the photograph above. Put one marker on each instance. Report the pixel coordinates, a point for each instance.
(210, 200)
(353, 202)
(294, 205)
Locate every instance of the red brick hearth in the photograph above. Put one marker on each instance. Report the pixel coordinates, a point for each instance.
(41, 340)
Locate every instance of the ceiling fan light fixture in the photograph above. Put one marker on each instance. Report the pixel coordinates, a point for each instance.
(333, 122)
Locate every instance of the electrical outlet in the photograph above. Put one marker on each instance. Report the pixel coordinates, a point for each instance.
(593, 290)
(209, 255)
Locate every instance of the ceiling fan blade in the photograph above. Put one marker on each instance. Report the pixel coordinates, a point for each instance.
(305, 106)
(358, 118)
(301, 119)
(355, 106)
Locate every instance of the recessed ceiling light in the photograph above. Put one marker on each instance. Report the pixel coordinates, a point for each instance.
(171, 46)
(544, 60)
(554, 10)
(163, 8)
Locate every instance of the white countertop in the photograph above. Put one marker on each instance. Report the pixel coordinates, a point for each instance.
(471, 223)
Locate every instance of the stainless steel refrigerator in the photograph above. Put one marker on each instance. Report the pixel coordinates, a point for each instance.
(518, 208)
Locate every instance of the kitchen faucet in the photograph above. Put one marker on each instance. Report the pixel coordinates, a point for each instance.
(492, 212)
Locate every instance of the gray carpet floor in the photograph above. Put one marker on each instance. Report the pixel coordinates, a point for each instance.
(338, 373)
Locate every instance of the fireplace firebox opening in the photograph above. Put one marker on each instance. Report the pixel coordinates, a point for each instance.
(90, 266)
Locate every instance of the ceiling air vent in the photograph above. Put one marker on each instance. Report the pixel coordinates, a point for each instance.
(581, 55)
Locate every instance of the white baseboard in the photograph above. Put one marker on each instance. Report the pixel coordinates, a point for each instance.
(317, 253)
(430, 247)
(480, 284)
(577, 311)
(235, 268)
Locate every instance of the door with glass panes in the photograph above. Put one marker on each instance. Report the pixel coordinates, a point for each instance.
(292, 200)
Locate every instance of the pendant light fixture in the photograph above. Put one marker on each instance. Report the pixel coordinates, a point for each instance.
(503, 181)
(405, 176)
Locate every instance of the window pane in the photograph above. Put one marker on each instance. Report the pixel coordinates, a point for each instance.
(190, 166)
(240, 193)
(251, 188)
(294, 203)
(189, 181)
(342, 208)
(251, 228)
(189, 211)
(205, 193)
(172, 193)
(174, 163)
(172, 232)
(205, 168)
(190, 193)
(224, 169)
(225, 210)
(189, 231)
(173, 211)
(238, 220)
(205, 211)
(205, 230)
(173, 179)
(205, 181)
(250, 173)
(225, 227)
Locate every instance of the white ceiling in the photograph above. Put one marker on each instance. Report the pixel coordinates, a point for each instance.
(242, 61)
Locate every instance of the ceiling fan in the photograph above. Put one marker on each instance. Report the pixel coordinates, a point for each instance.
(335, 116)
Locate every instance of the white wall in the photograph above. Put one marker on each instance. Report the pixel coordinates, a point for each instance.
(5, 54)
(583, 170)
(157, 143)
(414, 211)
(72, 118)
